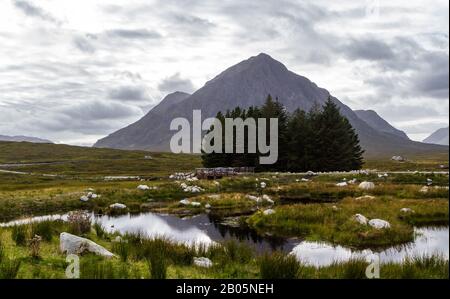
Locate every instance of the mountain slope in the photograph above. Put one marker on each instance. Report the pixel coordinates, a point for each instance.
(23, 139)
(378, 123)
(438, 137)
(245, 84)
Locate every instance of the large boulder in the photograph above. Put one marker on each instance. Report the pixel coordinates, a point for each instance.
(361, 219)
(71, 244)
(366, 185)
(379, 224)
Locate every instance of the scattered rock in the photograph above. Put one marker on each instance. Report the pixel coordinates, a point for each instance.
(379, 224)
(207, 206)
(342, 184)
(263, 185)
(335, 208)
(365, 197)
(361, 219)
(185, 202)
(254, 198)
(353, 181)
(424, 189)
(269, 212)
(71, 244)
(268, 199)
(84, 198)
(203, 262)
(398, 158)
(366, 185)
(305, 180)
(195, 204)
(118, 206)
(143, 187)
(406, 210)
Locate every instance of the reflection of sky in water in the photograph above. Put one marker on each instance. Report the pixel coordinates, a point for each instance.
(199, 229)
(154, 225)
(428, 241)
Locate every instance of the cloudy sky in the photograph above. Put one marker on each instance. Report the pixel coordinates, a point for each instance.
(74, 71)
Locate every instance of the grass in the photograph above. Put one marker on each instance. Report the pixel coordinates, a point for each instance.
(323, 222)
(279, 266)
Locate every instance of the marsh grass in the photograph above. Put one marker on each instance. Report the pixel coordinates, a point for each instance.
(99, 230)
(43, 229)
(9, 268)
(278, 265)
(79, 223)
(19, 234)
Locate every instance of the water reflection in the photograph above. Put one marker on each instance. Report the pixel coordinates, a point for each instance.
(428, 241)
(209, 229)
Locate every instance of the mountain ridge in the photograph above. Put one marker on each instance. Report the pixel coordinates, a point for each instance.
(247, 84)
(440, 136)
(21, 138)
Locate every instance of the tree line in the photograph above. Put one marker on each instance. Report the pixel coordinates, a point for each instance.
(321, 139)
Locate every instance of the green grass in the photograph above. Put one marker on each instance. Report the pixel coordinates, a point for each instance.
(321, 222)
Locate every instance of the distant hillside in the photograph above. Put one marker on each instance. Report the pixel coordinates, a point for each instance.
(23, 139)
(438, 137)
(378, 123)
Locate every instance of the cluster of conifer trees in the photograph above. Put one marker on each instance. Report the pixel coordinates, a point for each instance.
(319, 140)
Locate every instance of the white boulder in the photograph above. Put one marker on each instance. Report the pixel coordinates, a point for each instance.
(84, 198)
(342, 184)
(361, 219)
(254, 198)
(143, 187)
(71, 244)
(118, 206)
(268, 199)
(366, 185)
(379, 224)
(185, 202)
(406, 210)
(269, 212)
(203, 262)
(195, 204)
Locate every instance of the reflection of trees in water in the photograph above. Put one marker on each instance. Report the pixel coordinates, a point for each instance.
(244, 233)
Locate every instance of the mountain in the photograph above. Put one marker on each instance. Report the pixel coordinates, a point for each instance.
(23, 139)
(247, 84)
(378, 123)
(438, 137)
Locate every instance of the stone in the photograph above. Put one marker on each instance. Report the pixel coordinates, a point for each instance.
(268, 199)
(203, 262)
(195, 204)
(185, 202)
(118, 206)
(269, 212)
(335, 208)
(424, 189)
(365, 197)
(366, 185)
(361, 219)
(71, 244)
(207, 206)
(143, 187)
(379, 224)
(406, 210)
(342, 184)
(84, 198)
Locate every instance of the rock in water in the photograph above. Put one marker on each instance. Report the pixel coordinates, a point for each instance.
(71, 244)
(366, 185)
(379, 224)
(203, 262)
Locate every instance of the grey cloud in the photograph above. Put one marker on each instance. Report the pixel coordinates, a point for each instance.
(129, 93)
(368, 49)
(35, 11)
(134, 33)
(83, 44)
(176, 83)
(99, 110)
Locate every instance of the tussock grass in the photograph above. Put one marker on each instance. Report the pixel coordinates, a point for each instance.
(279, 266)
